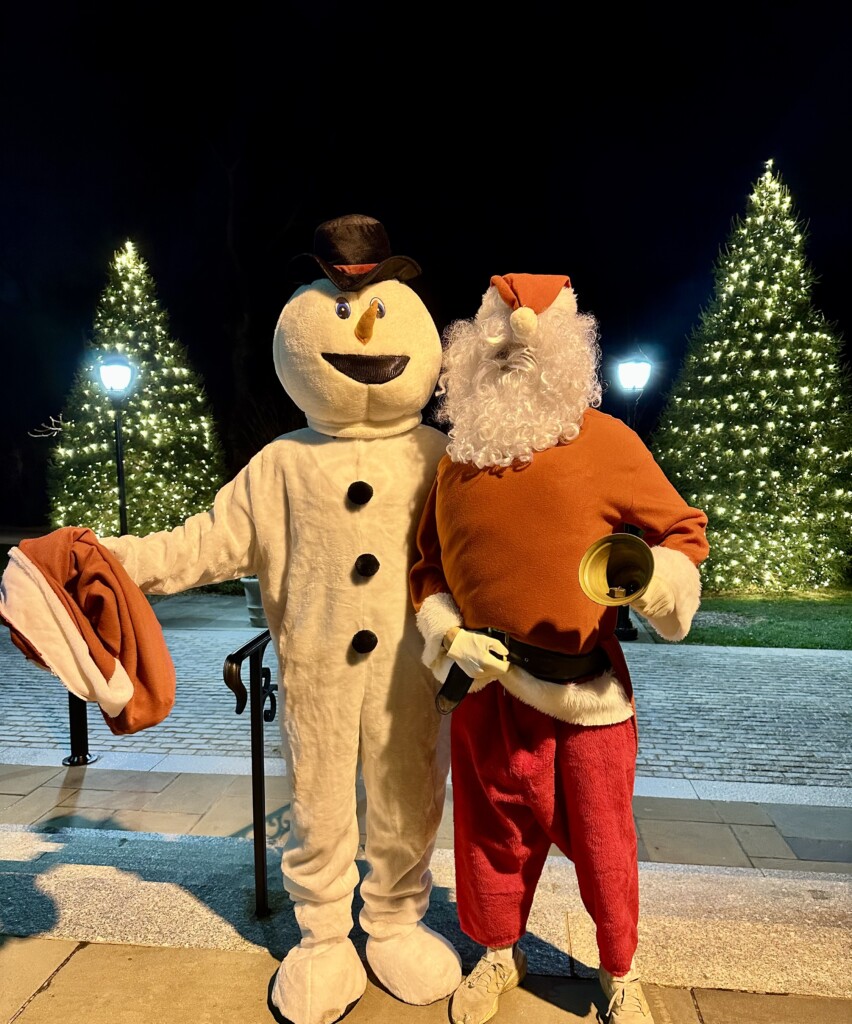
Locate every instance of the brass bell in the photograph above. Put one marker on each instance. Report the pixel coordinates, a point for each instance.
(616, 569)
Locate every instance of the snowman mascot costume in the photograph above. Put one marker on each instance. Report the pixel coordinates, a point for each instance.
(326, 516)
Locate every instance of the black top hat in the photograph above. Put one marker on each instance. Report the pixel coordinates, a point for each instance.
(352, 251)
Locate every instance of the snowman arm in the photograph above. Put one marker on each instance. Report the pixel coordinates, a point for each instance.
(209, 547)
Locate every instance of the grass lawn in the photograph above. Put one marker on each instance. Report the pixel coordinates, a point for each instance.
(818, 619)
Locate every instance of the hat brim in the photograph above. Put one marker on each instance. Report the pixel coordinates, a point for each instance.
(401, 268)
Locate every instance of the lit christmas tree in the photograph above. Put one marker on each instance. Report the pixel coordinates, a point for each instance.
(757, 430)
(173, 460)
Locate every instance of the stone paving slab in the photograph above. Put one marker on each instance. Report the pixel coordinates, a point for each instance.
(33, 806)
(105, 778)
(692, 842)
(809, 822)
(764, 841)
(819, 849)
(104, 983)
(130, 820)
(720, 1007)
(26, 965)
(117, 984)
(767, 864)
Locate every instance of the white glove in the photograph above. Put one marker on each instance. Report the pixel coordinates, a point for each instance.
(479, 656)
(657, 601)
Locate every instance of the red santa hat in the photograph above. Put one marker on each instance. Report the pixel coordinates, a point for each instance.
(532, 291)
(72, 609)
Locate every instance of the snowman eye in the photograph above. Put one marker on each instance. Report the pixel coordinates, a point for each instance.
(343, 309)
(380, 307)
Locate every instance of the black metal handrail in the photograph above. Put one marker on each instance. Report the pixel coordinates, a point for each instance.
(261, 689)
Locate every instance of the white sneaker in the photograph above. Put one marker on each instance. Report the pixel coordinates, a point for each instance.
(627, 1003)
(475, 1000)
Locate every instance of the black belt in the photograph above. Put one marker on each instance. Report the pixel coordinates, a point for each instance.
(550, 666)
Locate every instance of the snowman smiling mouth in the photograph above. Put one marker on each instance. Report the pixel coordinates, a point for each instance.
(367, 369)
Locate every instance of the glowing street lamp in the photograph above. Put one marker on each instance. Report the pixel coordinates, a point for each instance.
(633, 376)
(117, 374)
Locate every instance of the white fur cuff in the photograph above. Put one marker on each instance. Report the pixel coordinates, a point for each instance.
(683, 578)
(437, 614)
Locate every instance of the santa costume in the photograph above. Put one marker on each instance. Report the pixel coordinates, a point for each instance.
(544, 745)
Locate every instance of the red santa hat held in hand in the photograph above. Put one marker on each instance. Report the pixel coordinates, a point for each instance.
(72, 609)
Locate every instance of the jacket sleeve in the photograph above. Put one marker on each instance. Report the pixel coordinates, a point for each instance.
(436, 610)
(210, 547)
(676, 533)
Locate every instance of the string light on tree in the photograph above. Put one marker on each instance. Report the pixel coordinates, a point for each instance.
(757, 429)
(173, 459)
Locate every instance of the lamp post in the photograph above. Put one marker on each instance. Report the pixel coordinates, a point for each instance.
(117, 374)
(633, 374)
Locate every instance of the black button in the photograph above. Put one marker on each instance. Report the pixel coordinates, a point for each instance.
(364, 641)
(360, 492)
(366, 565)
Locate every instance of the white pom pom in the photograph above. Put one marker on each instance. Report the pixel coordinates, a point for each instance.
(524, 322)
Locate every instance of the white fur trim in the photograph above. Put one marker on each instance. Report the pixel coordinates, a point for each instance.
(29, 604)
(599, 701)
(479, 684)
(684, 580)
(437, 614)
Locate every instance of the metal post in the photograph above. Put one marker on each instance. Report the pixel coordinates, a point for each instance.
(78, 723)
(258, 783)
(624, 628)
(78, 728)
(261, 689)
(119, 461)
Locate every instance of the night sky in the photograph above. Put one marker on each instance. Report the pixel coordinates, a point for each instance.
(613, 146)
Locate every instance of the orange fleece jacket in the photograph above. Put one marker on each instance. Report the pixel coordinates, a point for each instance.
(506, 543)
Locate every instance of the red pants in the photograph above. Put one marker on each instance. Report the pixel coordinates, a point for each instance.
(523, 780)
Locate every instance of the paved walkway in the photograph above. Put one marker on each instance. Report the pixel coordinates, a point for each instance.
(134, 875)
(715, 722)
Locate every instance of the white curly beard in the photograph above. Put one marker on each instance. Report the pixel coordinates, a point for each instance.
(506, 398)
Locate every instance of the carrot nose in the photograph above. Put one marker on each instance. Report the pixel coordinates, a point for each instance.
(364, 327)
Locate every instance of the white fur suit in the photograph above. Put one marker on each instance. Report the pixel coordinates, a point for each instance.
(326, 518)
